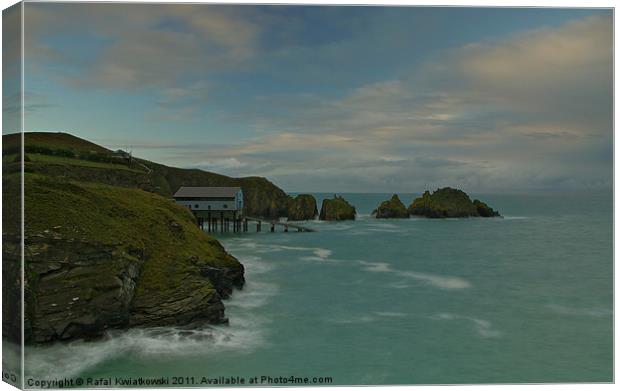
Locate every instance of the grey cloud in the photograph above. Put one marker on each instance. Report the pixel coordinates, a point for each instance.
(137, 52)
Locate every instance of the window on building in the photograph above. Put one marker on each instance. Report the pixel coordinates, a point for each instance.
(196, 206)
(225, 206)
(209, 207)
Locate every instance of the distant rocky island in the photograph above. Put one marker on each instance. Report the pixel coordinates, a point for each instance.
(442, 203)
(337, 209)
(391, 209)
(302, 207)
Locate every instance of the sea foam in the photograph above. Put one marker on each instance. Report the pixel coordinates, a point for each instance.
(443, 282)
(482, 327)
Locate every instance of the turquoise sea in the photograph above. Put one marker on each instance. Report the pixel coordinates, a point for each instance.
(524, 298)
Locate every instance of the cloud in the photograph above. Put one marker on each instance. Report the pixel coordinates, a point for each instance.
(548, 75)
(141, 46)
(532, 110)
(220, 164)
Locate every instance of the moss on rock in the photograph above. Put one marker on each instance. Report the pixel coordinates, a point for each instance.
(336, 209)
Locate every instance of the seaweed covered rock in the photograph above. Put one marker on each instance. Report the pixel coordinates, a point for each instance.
(336, 209)
(302, 207)
(449, 202)
(391, 209)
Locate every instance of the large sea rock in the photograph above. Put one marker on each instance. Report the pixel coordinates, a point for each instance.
(336, 209)
(302, 207)
(449, 202)
(391, 209)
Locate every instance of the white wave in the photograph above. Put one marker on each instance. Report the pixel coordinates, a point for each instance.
(322, 253)
(594, 312)
(70, 359)
(390, 314)
(483, 327)
(378, 267)
(399, 285)
(319, 252)
(254, 294)
(443, 282)
(444, 316)
(318, 259)
(349, 319)
(255, 265)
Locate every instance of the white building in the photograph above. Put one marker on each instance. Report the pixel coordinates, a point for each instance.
(212, 202)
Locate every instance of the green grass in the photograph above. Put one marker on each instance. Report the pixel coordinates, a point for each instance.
(129, 219)
(52, 141)
(49, 159)
(63, 155)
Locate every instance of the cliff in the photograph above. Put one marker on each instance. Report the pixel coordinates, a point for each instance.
(449, 202)
(102, 253)
(337, 209)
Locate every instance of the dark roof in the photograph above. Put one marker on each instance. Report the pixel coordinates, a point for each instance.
(186, 191)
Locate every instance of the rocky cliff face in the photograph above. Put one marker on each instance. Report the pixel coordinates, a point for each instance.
(391, 209)
(302, 207)
(100, 257)
(337, 209)
(449, 202)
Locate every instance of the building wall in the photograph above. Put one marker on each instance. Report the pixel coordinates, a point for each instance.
(215, 206)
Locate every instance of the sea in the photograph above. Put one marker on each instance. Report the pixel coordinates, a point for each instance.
(527, 298)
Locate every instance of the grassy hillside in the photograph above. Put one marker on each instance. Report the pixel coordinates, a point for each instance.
(64, 155)
(103, 253)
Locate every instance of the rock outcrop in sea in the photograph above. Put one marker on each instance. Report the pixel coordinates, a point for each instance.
(336, 209)
(302, 207)
(449, 202)
(391, 209)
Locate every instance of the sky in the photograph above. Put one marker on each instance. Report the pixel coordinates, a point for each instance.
(346, 99)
